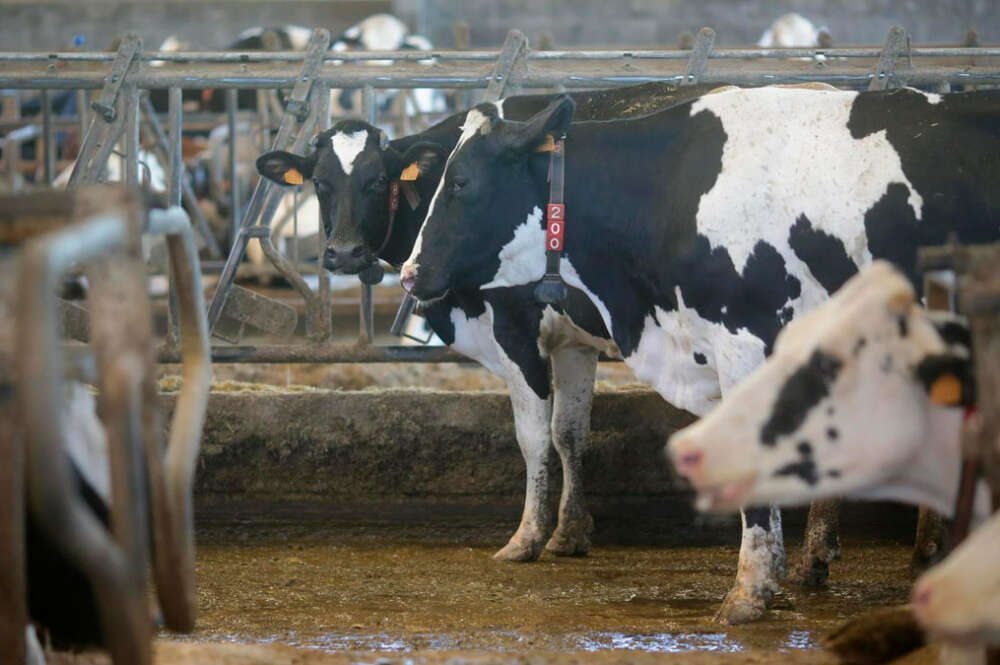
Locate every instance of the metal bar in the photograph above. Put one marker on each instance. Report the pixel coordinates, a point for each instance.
(884, 78)
(176, 128)
(698, 62)
(319, 42)
(323, 353)
(81, 112)
(234, 189)
(131, 101)
(166, 147)
(48, 142)
(447, 55)
(513, 51)
(174, 564)
(53, 501)
(13, 571)
(367, 311)
(538, 75)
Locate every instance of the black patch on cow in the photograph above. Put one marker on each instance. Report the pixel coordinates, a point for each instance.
(754, 300)
(950, 153)
(931, 368)
(833, 473)
(822, 253)
(516, 323)
(859, 345)
(700, 358)
(832, 433)
(803, 390)
(758, 517)
(954, 333)
(904, 326)
(804, 468)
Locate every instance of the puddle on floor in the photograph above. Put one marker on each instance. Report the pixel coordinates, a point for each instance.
(343, 589)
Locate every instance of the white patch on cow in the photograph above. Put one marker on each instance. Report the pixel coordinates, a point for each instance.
(522, 260)
(250, 32)
(499, 105)
(86, 441)
(474, 339)
(569, 275)
(789, 31)
(298, 36)
(664, 357)
(347, 147)
(932, 97)
(379, 32)
(476, 122)
(761, 190)
(418, 42)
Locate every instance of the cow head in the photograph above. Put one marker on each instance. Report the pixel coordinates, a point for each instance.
(494, 181)
(351, 167)
(959, 599)
(858, 398)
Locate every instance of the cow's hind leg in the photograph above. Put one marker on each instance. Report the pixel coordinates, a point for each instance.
(532, 422)
(759, 573)
(820, 546)
(573, 371)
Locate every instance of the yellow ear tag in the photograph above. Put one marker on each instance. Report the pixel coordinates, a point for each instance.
(410, 173)
(946, 390)
(293, 177)
(548, 146)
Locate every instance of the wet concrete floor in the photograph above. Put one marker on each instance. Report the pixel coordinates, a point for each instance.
(390, 589)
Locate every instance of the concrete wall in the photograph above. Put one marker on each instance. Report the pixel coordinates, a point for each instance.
(51, 24)
(651, 23)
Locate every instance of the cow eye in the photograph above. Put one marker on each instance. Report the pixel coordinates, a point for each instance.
(380, 181)
(320, 186)
(458, 183)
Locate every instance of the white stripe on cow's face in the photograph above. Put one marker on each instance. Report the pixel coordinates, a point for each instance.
(475, 123)
(347, 147)
(298, 36)
(774, 171)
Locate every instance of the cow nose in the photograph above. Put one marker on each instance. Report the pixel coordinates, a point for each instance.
(349, 261)
(687, 458)
(408, 276)
(921, 597)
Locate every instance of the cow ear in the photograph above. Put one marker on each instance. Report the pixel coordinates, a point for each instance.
(948, 379)
(420, 160)
(285, 168)
(553, 120)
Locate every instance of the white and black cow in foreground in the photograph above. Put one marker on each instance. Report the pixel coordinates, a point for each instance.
(700, 231)
(862, 397)
(547, 356)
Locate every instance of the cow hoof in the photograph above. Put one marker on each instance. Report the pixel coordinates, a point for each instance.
(519, 550)
(740, 607)
(810, 574)
(571, 537)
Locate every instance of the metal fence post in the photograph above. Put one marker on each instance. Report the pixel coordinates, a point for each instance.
(319, 43)
(885, 73)
(131, 101)
(511, 57)
(367, 332)
(698, 62)
(49, 144)
(234, 188)
(107, 123)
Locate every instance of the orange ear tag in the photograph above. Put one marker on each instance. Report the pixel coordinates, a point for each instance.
(293, 177)
(410, 173)
(548, 146)
(946, 390)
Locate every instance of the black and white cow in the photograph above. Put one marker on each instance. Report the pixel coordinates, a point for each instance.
(864, 396)
(504, 329)
(699, 231)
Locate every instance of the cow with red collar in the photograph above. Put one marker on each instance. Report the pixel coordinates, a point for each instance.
(700, 231)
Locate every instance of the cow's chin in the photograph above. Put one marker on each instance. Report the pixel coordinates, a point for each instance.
(425, 291)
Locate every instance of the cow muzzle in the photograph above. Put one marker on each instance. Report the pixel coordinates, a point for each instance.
(348, 261)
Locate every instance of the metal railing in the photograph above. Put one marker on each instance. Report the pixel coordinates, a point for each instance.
(310, 75)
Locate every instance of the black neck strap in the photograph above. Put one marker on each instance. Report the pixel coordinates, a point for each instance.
(551, 290)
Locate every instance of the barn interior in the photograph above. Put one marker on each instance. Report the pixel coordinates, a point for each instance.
(296, 467)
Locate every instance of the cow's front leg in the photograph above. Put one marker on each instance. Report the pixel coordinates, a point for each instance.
(532, 415)
(760, 568)
(820, 546)
(573, 373)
